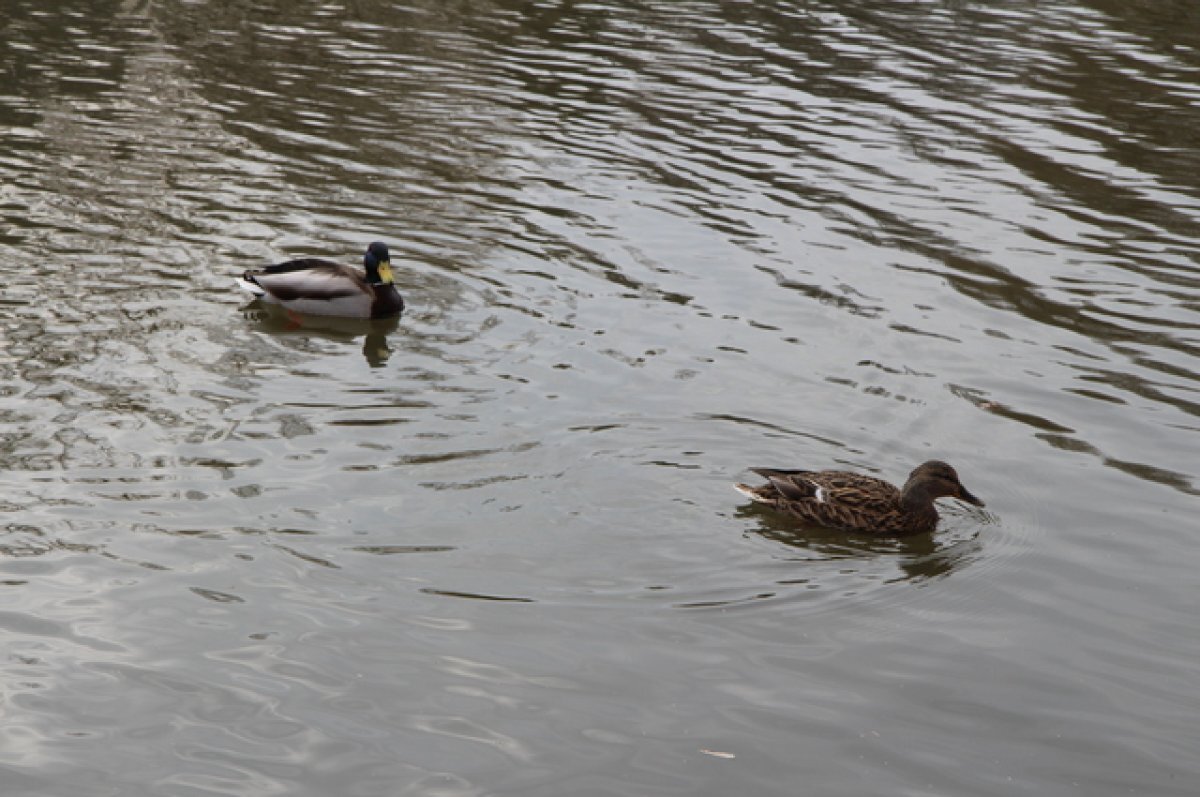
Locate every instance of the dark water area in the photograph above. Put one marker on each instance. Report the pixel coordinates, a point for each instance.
(492, 547)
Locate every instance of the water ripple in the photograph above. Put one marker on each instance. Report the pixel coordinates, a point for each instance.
(644, 245)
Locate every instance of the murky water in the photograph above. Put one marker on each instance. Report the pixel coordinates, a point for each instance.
(491, 548)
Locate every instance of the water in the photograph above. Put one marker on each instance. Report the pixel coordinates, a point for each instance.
(491, 548)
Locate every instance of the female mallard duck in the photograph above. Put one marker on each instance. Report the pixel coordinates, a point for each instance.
(864, 504)
(319, 287)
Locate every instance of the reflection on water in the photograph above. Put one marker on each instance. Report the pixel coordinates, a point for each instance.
(645, 243)
(916, 558)
(274, 320)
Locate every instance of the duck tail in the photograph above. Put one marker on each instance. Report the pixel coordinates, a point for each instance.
(247, 282)
(753, 493)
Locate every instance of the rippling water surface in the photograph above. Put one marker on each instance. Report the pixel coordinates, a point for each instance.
(491, 548)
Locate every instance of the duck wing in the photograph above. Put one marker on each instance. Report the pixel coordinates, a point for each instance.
(838, 499)
(789, 485)
(310, 278)
(826, 486)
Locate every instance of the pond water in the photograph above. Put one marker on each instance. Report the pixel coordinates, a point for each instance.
(492, 548)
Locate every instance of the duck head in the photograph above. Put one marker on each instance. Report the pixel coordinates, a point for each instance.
(378, 264)
(936, 479)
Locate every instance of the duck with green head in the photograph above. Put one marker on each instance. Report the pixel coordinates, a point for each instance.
(320, 287)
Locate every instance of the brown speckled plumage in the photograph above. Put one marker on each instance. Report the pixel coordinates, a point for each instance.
(858, 503)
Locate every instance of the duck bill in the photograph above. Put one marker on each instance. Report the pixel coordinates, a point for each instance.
(385, 272)
(965, 495)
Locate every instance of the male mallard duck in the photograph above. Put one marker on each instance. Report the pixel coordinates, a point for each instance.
(853, 502)
(319, 287)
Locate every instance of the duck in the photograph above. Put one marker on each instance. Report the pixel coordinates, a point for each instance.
(320, 287)
(861, 504)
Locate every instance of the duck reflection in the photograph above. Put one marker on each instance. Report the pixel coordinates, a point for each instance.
(280, 322)
(920, 557)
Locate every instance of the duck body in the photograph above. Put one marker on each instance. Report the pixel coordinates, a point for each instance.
(313, 286)
(857, 503)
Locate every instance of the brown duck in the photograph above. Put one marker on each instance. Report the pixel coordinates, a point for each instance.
(858, 503)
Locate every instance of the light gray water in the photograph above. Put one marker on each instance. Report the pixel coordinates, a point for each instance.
(492, 548)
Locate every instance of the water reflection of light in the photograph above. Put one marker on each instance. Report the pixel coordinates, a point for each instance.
(956, 543)
(280, 323)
